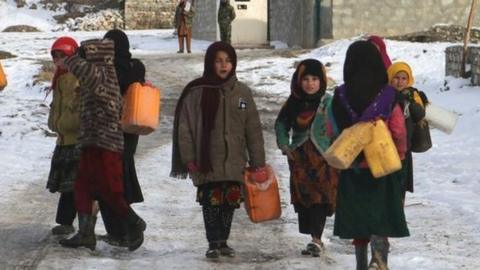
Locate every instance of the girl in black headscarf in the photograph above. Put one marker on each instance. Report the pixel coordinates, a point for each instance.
(129, 70)
(369, 209)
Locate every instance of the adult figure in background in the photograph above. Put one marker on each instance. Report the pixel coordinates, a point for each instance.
(183, 23)
(226, 14)
(128, 71)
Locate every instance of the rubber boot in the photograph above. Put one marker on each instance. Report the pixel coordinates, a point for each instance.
(361, 255)
(380, 247)
(135, 226)
(85, 237)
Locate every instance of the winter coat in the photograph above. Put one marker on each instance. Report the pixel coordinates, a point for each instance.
(226, 14)
(64, 116)
(100, 98)
(316, 133)
(183, 17)
(237, 132)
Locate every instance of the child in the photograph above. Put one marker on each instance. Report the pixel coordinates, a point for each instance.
(183, 23)
(128, 70)
(101, 138)
(313, 184)
(412, 102)
(226, 14)
(64, 119)
(368, 208)
(216, 124)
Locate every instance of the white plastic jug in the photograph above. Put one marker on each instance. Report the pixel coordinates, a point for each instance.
(440, 118)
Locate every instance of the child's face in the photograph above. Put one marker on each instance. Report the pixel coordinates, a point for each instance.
(310, 84)
(58, 58)
(400, 80)
(223, 65)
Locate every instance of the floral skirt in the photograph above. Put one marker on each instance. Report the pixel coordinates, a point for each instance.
(220, 193)
(312, 180)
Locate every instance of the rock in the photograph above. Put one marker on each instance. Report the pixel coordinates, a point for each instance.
(20, 28)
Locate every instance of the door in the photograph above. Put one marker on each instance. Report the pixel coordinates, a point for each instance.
(250, 27)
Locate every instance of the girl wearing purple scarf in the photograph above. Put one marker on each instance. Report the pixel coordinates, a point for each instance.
(368, 209)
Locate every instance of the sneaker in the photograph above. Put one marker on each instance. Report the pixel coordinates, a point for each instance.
(62, 229)
(212, 253)
(226, 251)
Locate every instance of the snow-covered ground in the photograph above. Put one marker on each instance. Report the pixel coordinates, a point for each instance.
(442, 213)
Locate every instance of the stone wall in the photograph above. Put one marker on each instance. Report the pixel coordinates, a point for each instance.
(453, 62)
(395, 17)
(149, 14)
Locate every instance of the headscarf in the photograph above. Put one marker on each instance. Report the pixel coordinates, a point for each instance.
(211, 86)
(365, 78)
(378, 41)
(396, 68)
(300, 106)
(123, 60)
(68, 46)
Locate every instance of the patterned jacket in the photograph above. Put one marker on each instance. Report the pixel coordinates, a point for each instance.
(100, 98)
(226, 14)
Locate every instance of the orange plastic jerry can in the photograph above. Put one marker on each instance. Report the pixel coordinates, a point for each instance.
(3, 78)
(141, 109)
(262, 198)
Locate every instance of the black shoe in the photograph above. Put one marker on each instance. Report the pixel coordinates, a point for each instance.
(312, 249)
(226, 251)
(63, 229)
(113, 241)
(213, 253)
(180, 51)
(135, 227)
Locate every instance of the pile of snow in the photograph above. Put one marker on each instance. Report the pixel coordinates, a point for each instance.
(102, 20)
(39, 18)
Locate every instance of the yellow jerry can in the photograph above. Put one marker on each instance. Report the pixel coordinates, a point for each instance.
(381, 153)
(348, 145)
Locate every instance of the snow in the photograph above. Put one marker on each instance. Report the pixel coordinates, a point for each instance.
(442, 213)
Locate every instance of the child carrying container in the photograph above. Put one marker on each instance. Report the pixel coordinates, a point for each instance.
(313, 183)
(216, 125)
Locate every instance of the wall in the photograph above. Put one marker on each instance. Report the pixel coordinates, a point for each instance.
(394, 17)
(205, 20)
(149, 14)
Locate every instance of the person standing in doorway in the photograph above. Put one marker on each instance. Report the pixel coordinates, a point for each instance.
(226, 14)
(183, 23)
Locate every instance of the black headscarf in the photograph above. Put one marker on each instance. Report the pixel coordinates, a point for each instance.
(299, 101)
(364, 75)
(124, 67)
(212, 85)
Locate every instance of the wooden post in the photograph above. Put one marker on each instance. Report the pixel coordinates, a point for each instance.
(473, 9)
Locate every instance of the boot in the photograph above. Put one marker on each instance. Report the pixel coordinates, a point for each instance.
(189, 43)
(135, 226)
(380, 247)
(180, 44)
(85, 236)
(361, 255)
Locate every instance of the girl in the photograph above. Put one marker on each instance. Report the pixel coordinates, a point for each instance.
(183, 23)
(216, 124)
(412, 102)
(368, 208)
(128, 70)
(64, 119)
(313, 184)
